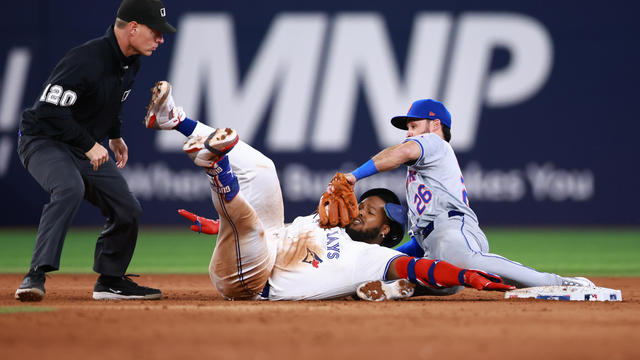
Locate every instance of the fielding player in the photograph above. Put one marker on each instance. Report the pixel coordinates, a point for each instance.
(442, 224)
(60, 146)
(257, 256)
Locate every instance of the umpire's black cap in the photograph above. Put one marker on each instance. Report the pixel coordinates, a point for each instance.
(394, 211)
(148, 12)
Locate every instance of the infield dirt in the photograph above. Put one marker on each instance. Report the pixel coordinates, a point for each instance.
(192, 321)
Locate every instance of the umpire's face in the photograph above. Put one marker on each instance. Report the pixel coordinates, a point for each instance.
(371, 222)
(144, 39)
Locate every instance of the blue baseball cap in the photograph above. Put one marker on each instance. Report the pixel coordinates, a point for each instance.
(424, 109)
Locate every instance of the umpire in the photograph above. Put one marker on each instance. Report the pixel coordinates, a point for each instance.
(60, 145)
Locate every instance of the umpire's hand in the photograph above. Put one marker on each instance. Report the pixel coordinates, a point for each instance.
(120, 150)
(97, 155)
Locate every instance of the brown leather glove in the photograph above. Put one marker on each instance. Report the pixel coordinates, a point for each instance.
(338, 205)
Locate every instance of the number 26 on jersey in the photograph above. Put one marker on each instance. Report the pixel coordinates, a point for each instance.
(422, 198)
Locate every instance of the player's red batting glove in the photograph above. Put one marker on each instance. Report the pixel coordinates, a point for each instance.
(202, 224)
(484, 281)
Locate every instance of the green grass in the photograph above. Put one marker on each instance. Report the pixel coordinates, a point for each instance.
(604, 252)
(22, 309)
(159, 250)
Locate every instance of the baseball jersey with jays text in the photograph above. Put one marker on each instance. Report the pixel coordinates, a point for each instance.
(314, 263)
(434, 182)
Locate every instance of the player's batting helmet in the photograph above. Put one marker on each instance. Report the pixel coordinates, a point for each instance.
(395, 213)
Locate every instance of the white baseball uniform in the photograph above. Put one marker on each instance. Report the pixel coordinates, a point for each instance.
(314, 263)
(258, 257)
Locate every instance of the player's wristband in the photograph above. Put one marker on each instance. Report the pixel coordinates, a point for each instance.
(366, 169)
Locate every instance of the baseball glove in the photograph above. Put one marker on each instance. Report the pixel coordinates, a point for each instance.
(338, 205)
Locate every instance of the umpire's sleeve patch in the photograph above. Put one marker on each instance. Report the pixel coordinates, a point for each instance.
(56, 95)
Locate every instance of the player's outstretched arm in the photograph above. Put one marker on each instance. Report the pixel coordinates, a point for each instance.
(439, 274)
(202, 224)
(387, 159)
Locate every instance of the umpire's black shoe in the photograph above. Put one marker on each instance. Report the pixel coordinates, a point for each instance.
(32, 287)
(123, 288)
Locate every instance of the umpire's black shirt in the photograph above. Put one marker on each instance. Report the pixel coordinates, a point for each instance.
(81, 101)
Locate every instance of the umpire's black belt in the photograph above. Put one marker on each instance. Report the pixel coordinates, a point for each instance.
(429, 228)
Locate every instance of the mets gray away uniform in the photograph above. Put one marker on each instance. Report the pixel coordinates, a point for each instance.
(443, 223)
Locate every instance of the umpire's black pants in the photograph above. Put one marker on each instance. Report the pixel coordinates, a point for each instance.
(66, 173)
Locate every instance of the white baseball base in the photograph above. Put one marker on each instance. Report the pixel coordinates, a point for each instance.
(567, 293)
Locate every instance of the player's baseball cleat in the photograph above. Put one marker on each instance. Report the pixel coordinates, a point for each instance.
(379, 290)
(123, 288)
(162, 112)
(192, 146)
(577, 281)
(206, 152)
(221, 141)
(32, 287)
(210, 153)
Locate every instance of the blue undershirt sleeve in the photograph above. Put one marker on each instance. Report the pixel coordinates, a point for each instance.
(411, 248)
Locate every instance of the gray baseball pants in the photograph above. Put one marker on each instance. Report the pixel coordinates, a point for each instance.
(460, 241)
(66, 173)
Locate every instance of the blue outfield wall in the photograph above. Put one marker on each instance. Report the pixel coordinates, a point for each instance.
(543, 98)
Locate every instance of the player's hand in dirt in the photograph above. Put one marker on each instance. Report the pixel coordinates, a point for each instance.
(481, 280)
(202, 224)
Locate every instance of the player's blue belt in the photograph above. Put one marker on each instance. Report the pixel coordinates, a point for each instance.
(429, 228)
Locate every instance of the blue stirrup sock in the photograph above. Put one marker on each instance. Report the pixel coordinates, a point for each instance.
(186, 126)
(411, 248)
(223, 179)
